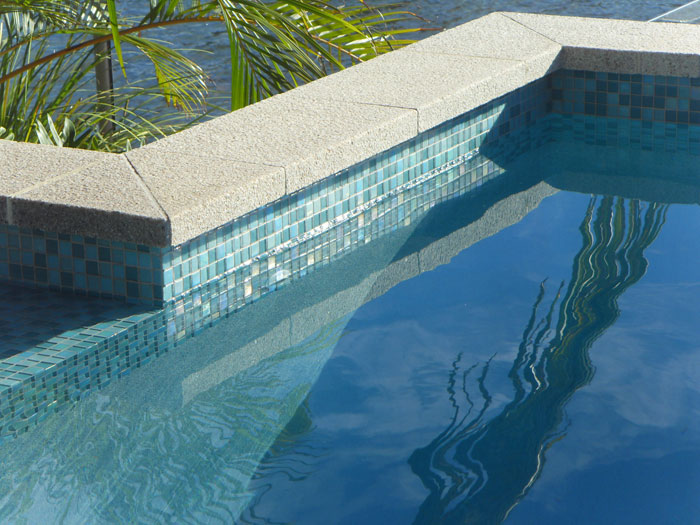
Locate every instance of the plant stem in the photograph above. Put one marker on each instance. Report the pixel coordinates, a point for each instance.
(104, 84)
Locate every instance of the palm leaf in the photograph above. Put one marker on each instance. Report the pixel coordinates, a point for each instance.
(274, 46)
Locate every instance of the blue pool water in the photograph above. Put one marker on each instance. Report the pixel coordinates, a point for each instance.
(525, 353)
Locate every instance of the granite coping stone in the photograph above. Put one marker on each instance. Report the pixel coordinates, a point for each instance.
(179, 187)
(104, 199)
(622, 46)
(513, 41)
(457, 82)
(310, 138)
(197, 191)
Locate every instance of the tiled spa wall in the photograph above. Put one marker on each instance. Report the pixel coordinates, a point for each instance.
(288, 222)
(154, 276)
(151, 275)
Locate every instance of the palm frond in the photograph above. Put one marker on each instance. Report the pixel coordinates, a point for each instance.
(52, 52)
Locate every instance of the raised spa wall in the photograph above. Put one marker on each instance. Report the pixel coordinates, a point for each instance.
(157, 222)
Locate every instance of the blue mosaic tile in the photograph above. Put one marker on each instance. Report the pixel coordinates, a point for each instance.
(646, 98)
(629, 134)
(81, 266)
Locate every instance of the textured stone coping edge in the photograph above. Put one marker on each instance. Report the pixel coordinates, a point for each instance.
(177, 188)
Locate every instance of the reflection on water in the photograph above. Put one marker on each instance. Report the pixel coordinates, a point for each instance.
(476, 470)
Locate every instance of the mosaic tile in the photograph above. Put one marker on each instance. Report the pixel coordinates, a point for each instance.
(81, 266)
(630, 134)
(646, 98)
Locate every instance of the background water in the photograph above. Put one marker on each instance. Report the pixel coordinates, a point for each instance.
(451, 13)
(436, 14)
(544, 374)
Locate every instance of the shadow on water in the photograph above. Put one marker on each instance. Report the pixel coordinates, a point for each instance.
(477, 470)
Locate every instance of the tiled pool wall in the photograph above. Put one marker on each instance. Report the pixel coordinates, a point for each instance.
(216, 274)
(631, 134)
(639, 97)
(80, 265)
(151, 275)
(155, 276)
(651, 113)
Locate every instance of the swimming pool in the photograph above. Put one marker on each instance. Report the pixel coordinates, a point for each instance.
(521, 350)
(181, 428)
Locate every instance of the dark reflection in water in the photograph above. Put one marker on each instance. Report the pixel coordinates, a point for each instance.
(292, 456)
(477, 471)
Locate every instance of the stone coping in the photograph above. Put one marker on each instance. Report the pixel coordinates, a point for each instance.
(177, 188)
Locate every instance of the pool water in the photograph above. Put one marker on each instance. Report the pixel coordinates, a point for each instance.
(525, 353)
(549, 374)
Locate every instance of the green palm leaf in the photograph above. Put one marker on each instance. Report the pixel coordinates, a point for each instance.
(51, 52)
